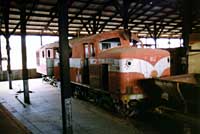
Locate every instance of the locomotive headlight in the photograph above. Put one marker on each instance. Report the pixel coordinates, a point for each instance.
(128, 63)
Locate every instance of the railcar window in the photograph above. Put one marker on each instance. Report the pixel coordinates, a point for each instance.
(109, 43)
(57, 53)
(42, 54)
(38, 58)
(48, 53)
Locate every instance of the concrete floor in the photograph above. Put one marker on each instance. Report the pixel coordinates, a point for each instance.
(43, 116)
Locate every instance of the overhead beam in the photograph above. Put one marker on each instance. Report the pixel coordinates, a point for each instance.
(123, 11)
(85, 26)
(80, 11)
(53, 14)
(31, 11)
(140, 14)
(134, 8)
(106, 22)
(148, 17)
(99, 12)
(162, 20)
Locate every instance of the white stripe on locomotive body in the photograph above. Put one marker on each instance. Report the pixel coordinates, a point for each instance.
(127, 65)
(137, 66)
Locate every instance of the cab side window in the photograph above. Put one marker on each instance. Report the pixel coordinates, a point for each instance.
(109, 43)
(89, 50)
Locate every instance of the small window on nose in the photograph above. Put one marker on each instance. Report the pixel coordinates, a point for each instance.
(168, 60)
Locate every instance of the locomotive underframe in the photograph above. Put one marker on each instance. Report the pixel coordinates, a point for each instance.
(125, 105)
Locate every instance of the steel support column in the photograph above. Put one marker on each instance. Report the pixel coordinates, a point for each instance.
(7, 36)
(9, 72)
(94, 28)
(187, 27)
(125, 13)
(24, 56)
(66, 91)
(0, 56)
(155, 32)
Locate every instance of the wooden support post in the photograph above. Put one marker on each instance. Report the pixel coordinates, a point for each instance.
(24, 56)
(66, 91)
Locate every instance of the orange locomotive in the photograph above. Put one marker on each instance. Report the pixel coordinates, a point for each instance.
(106, 63)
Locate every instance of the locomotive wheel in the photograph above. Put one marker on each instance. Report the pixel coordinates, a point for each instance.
(127, 110)
(133, 108)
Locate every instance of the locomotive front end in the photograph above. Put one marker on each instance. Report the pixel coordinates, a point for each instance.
(127, 65)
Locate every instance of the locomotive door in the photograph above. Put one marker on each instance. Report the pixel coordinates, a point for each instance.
(88, 52)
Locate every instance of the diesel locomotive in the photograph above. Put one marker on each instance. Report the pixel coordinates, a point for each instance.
(107, 64)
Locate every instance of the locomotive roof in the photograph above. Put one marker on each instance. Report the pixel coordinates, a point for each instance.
(95, 37)
(103, 36)
(127, 52)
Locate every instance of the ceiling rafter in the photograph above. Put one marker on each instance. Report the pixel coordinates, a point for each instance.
(34, 4)
(140, 14)
(156, 12)
(161, 19)
(81, 10)
(99, 13)
(133, 9)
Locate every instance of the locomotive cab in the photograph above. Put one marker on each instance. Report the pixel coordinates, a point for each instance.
(108, 62)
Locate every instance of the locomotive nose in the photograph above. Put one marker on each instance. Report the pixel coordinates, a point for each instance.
(154, 74)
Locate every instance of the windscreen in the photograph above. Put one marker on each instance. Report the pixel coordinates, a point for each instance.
(109, 43)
